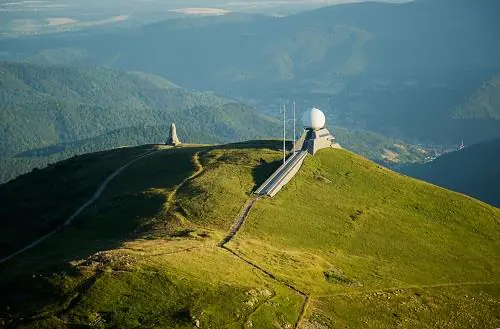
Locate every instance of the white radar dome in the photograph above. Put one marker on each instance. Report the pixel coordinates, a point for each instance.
(314, 119)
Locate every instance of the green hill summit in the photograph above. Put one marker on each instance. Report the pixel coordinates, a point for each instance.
(176, 239)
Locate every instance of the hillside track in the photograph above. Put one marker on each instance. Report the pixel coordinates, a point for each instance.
(238, 223)
(303, 312)
(240, 219)
(199, 170)
(97, 194)
(276, 279)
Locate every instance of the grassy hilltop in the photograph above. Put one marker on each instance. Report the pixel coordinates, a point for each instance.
(346, 243)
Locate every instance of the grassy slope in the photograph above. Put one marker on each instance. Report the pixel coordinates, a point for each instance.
(146, 255)
(150, 253)
(39, 201)
(372, 229)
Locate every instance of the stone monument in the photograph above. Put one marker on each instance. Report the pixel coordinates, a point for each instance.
(172, 137)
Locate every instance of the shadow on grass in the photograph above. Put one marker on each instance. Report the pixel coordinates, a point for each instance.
(262, 172)
(35, 204)
(34, 282)
(41, 280)
(272, 144)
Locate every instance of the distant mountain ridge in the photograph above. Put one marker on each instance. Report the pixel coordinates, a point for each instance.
(392, 68)
(49, 113)
(482, 104)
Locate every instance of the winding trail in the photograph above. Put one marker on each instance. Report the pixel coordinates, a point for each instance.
(240, 220)
(199, 171)
(278, 280)
(96, 196)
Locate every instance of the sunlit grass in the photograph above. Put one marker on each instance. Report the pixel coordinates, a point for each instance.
(371, 248)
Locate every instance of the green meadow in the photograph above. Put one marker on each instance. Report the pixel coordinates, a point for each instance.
(346, 243)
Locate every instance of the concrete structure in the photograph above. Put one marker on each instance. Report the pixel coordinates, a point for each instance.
(314, 140)
(172, 137)
(282, 175)
(315, 137)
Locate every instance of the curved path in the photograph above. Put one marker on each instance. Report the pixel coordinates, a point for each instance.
(96, 195)
(240, 219)
(199, 170)
(239, 222)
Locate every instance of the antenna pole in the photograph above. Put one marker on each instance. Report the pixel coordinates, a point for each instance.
(284, 133)
(294, 132)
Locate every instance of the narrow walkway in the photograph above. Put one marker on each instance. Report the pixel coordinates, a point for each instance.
(303, 311)
(278, 280)
(240, 220)
(96, 195)
(199, 171)
(282, 175)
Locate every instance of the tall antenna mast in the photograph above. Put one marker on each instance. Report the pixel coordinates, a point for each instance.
(284, 132)
(294, 132)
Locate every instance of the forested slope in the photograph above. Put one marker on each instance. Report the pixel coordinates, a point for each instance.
(50, 113)
(46, 105)
(42, 106)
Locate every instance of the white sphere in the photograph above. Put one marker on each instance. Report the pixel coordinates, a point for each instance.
(314, 119)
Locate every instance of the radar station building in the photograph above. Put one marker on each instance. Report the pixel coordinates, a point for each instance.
(315, 135)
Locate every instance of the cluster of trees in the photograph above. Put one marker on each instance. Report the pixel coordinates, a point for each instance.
(483, 104)
(376, 146)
